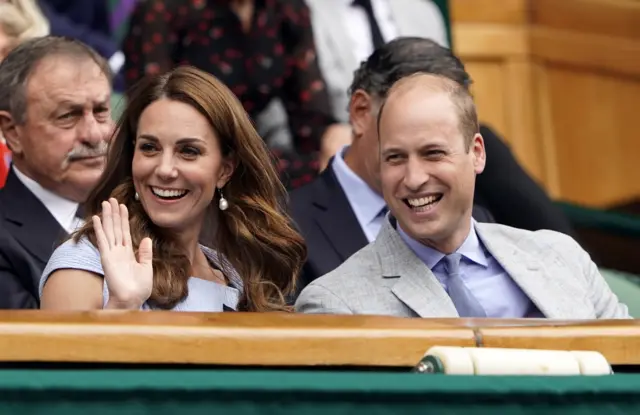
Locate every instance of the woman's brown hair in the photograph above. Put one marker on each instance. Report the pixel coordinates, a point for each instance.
(254, 234)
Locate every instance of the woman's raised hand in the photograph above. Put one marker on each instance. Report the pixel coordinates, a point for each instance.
(129, 279)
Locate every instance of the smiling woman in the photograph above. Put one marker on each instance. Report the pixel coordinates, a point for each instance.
(188, 215)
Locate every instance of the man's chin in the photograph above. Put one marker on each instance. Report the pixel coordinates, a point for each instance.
(422, 229)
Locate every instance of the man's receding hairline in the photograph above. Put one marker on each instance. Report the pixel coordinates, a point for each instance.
(404, 86)
(63, 55)
(436, 83)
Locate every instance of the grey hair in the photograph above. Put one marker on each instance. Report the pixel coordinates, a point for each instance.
(21, 62)
(405, 56)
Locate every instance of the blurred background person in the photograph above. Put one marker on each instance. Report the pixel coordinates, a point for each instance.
(19, 20)
(89, 22)
(262, 50)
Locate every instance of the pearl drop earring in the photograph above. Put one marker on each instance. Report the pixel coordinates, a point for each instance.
(222, 204)
(136, 196)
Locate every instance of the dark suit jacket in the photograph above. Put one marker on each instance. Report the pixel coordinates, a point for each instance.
(85, 20)
(28, 236)
(511, 195)
(329, 226)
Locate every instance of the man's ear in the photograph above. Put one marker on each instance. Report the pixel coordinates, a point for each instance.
(360, 111)
(229, 165)
(479, 155)
(10, 132)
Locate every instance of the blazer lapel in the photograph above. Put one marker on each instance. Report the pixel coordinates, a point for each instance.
(543, 288)
(336, 218)
(28, 220)
(416, 287)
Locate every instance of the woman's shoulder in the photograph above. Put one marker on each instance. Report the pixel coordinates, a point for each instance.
(78, 255)
(220, 261)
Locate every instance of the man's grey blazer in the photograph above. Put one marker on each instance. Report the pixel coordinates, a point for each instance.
(387, 278)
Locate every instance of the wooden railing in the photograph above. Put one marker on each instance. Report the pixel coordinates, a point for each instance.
(287, 339)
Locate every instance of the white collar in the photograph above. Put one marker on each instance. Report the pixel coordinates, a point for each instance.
(63, 210)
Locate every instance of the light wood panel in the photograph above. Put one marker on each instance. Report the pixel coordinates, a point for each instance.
(489, 93)
(287, 339)
(599, 152)
(567, 73)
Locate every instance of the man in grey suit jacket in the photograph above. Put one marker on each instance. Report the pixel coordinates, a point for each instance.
(431, 259)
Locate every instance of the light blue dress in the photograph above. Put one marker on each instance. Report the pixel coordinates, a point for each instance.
(204, 296)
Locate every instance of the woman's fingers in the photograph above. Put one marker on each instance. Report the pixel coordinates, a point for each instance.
(101, 239)
(126, 232)
(117, 222)
(107, 222)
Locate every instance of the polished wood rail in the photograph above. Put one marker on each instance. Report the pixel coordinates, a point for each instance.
(287, 339)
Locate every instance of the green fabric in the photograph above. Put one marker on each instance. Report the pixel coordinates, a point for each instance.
(444, 9)
(617, 223)
(171, 392)
(626, 287)
(117, 105)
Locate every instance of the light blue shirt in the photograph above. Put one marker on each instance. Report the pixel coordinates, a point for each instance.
(204, 295)
(494, 289)
(364, 201)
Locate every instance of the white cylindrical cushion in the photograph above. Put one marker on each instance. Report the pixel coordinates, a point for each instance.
(523, 362)
(496, 361)
(592, 363)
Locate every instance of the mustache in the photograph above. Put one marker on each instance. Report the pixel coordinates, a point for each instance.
(87, 151)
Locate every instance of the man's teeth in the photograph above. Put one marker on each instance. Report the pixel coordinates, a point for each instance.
(168, 193)
(422, 201)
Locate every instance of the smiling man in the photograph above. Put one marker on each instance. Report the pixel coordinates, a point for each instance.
(431, 259)
(55, 117)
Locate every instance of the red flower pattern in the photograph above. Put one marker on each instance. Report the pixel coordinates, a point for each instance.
(275, 58)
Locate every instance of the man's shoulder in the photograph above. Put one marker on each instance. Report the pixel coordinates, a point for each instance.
(360, 266)
(539, 239)
(319, 189)
(304, 194)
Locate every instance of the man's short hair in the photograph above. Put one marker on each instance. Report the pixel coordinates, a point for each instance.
(459, 96)
(21, 62)
(403, 57)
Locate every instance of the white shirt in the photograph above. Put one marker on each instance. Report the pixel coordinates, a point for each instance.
(364, 201)
(357, 25)
(63, 210)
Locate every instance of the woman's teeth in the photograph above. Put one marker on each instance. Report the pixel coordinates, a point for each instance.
(168, 193)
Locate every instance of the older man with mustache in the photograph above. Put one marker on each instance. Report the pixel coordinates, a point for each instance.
(56, 119)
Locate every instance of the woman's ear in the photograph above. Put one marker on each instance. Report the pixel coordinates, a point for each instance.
(229, 165)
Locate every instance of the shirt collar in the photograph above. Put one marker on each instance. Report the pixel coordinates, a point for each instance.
(471, 248)
(63, 210)
(364, 201)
